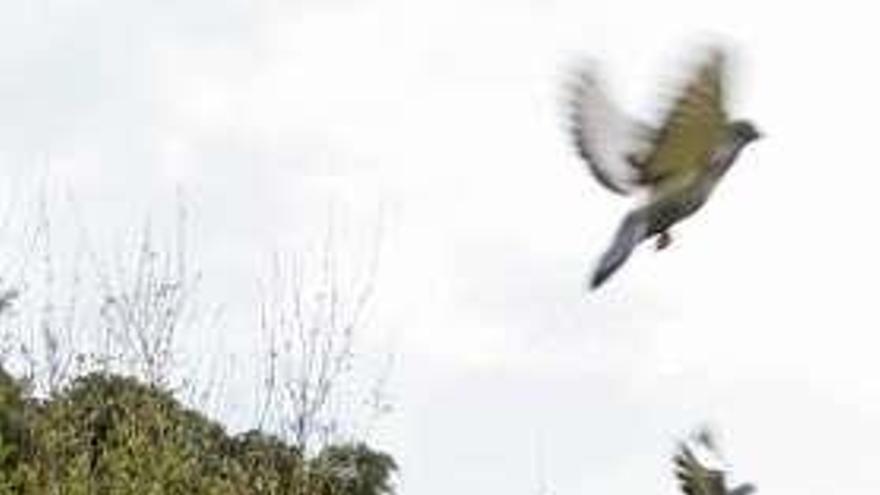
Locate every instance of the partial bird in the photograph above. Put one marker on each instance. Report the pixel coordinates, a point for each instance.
(696, 478)
(677, 163)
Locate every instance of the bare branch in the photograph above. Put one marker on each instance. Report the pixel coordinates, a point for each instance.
(311, 315)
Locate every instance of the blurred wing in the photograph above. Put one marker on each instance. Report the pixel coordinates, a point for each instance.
(693, 127)
(694, 477)
(605, 138)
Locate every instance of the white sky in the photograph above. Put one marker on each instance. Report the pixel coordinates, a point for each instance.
(760, 319)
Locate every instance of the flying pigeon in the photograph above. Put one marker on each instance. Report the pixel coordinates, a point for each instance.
(678, 163)
(696, 478)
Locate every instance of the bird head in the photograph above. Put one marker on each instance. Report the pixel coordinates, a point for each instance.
(744, 131)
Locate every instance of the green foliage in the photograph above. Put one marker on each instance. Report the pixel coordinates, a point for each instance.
(356, 469)
(13, 432)
(113, 435)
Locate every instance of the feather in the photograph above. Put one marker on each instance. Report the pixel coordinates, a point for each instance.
(694, 126)
(629, 235)
(610, 142)
(696, 477)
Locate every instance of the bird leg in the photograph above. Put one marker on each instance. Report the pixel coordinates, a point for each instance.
(663, 240)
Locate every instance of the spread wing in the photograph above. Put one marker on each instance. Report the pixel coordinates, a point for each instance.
(694, 477)
(608, 140)
(693, 127)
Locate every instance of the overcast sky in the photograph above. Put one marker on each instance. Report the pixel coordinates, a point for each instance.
(442, 118)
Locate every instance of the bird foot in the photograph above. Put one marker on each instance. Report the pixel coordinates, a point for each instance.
(664, 239)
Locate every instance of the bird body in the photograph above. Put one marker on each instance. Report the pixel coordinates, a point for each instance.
(679, 163)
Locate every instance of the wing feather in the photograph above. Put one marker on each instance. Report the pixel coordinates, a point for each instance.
(694, 477)
(693, 127)
(607, 139)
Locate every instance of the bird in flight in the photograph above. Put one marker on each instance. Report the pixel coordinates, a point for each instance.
(677, 163)
(696, 478)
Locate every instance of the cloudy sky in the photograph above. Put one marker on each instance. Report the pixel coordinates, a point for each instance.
(441, 118)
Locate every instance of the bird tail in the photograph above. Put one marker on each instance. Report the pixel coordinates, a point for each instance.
(629, 235)
(744, 489)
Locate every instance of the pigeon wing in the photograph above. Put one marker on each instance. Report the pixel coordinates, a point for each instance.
(694, 125)
(609, 141)
(694, 477)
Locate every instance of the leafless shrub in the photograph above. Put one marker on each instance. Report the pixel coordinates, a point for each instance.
(312, 311)
(42, 306)
(146, 301)
(66, 310)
